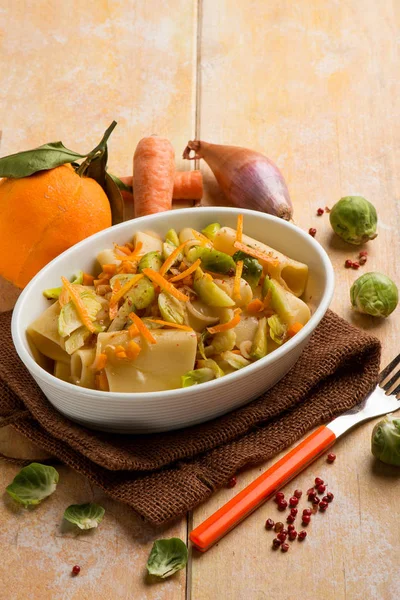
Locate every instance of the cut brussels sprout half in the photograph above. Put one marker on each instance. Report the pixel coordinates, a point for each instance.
(54, 293)
(151, 260)
(252, 270)
(209, 292)
(211, 230)
(277, 329)
(172, 237)
(212, 260)
(197, 376)
(171, 309)
(259, 345)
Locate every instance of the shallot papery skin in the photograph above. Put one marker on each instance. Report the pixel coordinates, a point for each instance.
(247, 178)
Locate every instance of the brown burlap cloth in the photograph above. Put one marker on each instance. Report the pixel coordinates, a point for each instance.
(164, 475)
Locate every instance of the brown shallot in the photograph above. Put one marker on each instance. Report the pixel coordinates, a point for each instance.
(247, 178)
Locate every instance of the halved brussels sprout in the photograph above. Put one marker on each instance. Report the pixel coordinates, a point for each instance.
(211, 364)
(278, 302)
(69, 319)
(172, 237)
(151, 260)
(212, 260)
(236, 361)
(252, 270)
(209, 292)
(211, 230)
(142, 294)
(171, 309)
(277, 329)
(259, 345)
(54, 293)
(227, 284)
(197, 376)
(77, 339)
(221, 342)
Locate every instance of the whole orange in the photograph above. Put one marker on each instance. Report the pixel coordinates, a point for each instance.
(43, 215)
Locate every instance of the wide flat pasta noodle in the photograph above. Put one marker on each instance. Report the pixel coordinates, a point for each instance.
(82, 372)
(44, 334)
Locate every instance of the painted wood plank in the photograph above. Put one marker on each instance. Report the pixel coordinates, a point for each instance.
(69, 69)
(313, 86)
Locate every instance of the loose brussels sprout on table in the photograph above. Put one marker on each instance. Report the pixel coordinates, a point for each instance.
(354, 219)
(385, 441)
(374, 294)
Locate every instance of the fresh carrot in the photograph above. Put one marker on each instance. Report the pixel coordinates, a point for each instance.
(101, 382)
(256, 254)
(122, 250)
(188, 185)
(164, 284)
(110, 269)
(171, 259)
(255, 306)
(174, 325)
(98, 282)
(267, 298)
(226, 326)
(121, 354)
(294, 328)
(135, 254)
(238, 275)
(87, 279)
(133, 330)
(187, 272)
(142, 328)
(154, 168)
(79, 305)
(239, 228)
(133, 350)
(100, 362)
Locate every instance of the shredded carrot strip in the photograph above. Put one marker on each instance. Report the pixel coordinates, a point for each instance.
(79, 305)
(127, 267)
(87, 279)
(188, 271)
(130, 246)
(122, 249)
(238, 275)
(133, 350)
(202, 238)
(164, 284)
(295, 328)
(125, 288)
(226, 326)
(101, 382)
(64, 297)
(174, 325)
(100, 362)
(133, 330)
(110, 269)
(255, 306)
(236, 352)
(98, 282)
(267, 298)
(142, 328)
(256, 254)
(239, 229)
(135, 253)
(171, 259)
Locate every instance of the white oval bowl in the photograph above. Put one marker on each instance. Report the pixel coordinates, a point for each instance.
(161, 411)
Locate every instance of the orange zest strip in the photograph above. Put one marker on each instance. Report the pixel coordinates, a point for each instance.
(238, 275)
(125, 288)
(239, 229)
(202, 238)
(255, 306)
(79, 305)
(256, 254)
(226, 326)
(171, 259)
(133, 330)
(133, 350)
(174, 325)
(101, 382)
(295, 328)
(100, 362)
(135, 254)
(122, 249)
(267, 298)
(142, 328)
(187, 272)
(110, 269)
(87, 279)
(164, 284)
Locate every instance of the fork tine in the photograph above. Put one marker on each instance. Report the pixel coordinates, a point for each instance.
(396, 392)
(387, 370)
(391, 381)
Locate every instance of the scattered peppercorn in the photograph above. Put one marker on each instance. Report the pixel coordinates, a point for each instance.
(318, 481)
(232, 482)
(275, 543)
(302, 535)
(76, 570)
(331, 457)
(355, 265)
(315, 500)
(293, 501)
(321, 489)
(320, 211)
(269, 524)
(323, 506)
(310, 491)
(294, 511)
(306, 519)
(292, 535)
(363, 253)
(298, 493)
(307, 512)
(362, 260)
(290, 519)
(329, 496)
(312, 231)
(279, 496)
(348, 263)
(282, 505)
(281, 536)
(291, 528)
(312, 495)
(278, 526)
(285, 547)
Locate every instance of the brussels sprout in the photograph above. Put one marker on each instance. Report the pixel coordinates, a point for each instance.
(277, 329)
(385, 441)
(54, 293)
(279, 302)
(197, 376)
(77, 339)
(259, 346)
(172, 237)
(221, 342)
(209, 292)
(151, 260)
(142, 294)
(211, 230)
(252, 270)
(236, 361)
(171, 309)
(69, 319)
(85, 516)
(374, 294)
(354, 219)
(33, 483)
(246, 293)
(212, 260)
(167, 249)
(211, 364)
(167, 557)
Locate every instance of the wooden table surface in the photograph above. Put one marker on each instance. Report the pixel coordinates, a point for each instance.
(314, 85)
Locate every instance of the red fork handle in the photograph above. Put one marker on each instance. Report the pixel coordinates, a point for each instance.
(244, 503)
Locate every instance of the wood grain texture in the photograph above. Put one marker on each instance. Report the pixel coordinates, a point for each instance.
(312, 85)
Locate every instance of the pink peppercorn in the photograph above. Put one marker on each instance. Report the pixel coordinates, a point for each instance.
(355, 265)
(331, 457)
(320, 211)
(312, 231)
(348, 264)
(76, 570)
(232, 482)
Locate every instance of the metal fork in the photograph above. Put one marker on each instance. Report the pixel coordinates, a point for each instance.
(381, 401)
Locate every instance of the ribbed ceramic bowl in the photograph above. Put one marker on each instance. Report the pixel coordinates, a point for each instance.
(161, 411)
